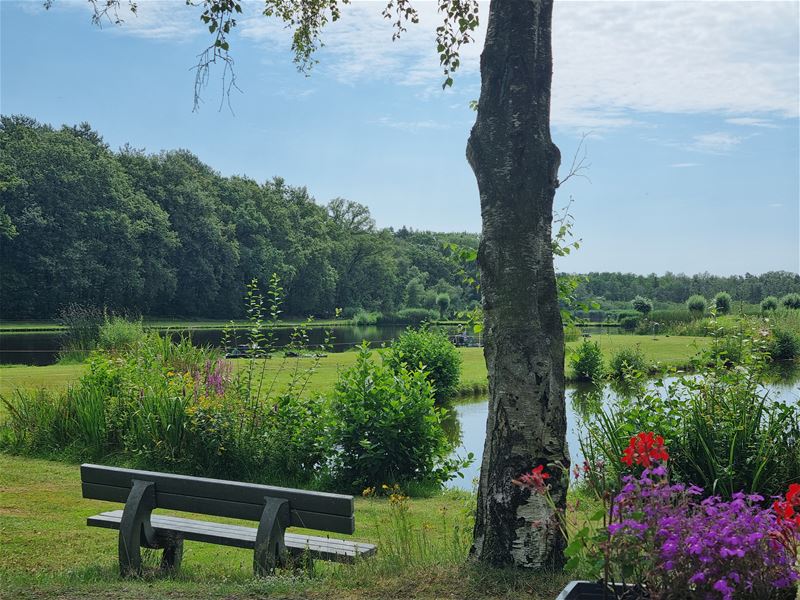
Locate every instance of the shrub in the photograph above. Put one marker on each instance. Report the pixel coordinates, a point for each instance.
(385, 427)
(415, 316)
(626, 361)
(791, 301)
(432, 351)
(697, 305)
(629, 323)
(642, 305)
(784, 345)
(118, 334)
(722, 303)
(769, 303)
(725, 431)
(671, 316)
(587, 362)
(363, 317)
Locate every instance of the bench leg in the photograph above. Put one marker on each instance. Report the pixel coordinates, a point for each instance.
(270, 550)
(135, 530)
(173, 555)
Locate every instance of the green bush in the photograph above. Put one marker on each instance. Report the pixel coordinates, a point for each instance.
(385, 428)
(642, 305)
(363, 317)
(784, 345)
(415, 316)
(724, 431)
(629, 323)
(697, 305)
(722, 303)
(769, 304)
(118, 334)
(432, 351)
(791, 301)
(627, 361)
(81, 329)
(669, 317)
(587, 362)
(443, 303)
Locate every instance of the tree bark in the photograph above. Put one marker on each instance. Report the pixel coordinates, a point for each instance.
(516, 165)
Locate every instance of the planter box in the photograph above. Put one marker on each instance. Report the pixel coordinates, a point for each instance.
(593, 590)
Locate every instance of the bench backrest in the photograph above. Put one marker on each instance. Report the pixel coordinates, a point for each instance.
(313, 510)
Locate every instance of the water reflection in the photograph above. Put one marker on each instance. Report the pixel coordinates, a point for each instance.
(583, 402)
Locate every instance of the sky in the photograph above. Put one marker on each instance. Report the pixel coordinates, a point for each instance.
(688, 112)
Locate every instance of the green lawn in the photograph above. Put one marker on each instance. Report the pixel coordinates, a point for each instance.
(49, 552)
(671, 351)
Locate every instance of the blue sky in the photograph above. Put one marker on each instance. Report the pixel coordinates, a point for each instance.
(691, 113)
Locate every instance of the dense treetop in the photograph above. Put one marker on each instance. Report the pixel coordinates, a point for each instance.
(164, 234)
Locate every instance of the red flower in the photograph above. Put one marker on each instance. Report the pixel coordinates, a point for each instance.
(533, 480)
(643, 449)
(784, 510)
(793, 495)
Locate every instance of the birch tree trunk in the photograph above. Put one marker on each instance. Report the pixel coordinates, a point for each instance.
(516, 165)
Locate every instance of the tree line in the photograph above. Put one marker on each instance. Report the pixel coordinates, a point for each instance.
(678, 288)
(166, 235)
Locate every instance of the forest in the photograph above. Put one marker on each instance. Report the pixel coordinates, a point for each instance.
(166, 235)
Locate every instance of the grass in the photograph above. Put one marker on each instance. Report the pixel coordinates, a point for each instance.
(49, 552)
(672, 351)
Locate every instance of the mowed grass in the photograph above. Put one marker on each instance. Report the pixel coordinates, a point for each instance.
(48, 551)
(674, 351)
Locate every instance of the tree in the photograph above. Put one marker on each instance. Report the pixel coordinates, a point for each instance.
(642, 305)
(722, 303)
(516, 165)
(791, 301)
(769, 303)
(443, 303)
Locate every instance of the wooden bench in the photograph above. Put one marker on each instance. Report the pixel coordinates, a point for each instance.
(275, 508)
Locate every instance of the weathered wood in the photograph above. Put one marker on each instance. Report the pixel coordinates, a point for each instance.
(225, 508)
(239, 536)
(203, 487)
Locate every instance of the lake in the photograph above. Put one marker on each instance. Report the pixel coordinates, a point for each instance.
(41, 348)
(471, 422)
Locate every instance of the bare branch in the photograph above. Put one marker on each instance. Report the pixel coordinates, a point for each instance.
(579, 164)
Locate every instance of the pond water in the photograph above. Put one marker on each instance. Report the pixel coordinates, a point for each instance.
(41, 348)
(470, 421)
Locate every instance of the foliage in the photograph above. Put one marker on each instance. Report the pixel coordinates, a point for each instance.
(587, 362)
(118, 334)
(384, 427)
(413, 316)
(429, 350)
(662, 540)
(629, 323)
(443, 303)
(784, 345)
(791, 301)
(722, 303)
(82, 328)
(572, 333)
(627, 361)
(642, 305)
(697, 305)
(725, 430)
(769, 303)
(363, 317)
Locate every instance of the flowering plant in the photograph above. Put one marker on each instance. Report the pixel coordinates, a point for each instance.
(666, 541)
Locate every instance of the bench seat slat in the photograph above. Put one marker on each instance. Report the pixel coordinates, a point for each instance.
(223, 508)
(244, 537)
(203, 487)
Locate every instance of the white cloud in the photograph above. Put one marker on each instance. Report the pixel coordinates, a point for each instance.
(718, 142)
(685, 165)
(775, 205)
(411, 126)
(752, 122)
(612, 59)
